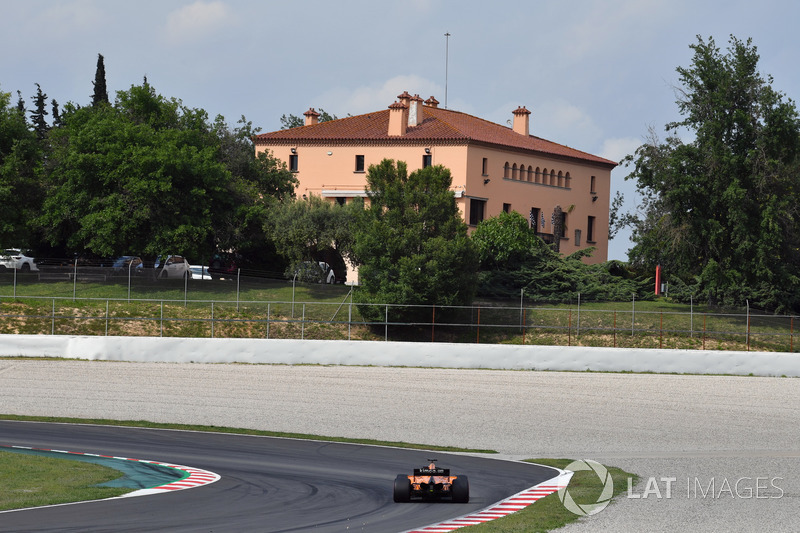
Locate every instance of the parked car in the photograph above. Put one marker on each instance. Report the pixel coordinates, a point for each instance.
(16, 259)
(224, 265)
(172, 266)
(312, 272)
(128, 263)
(199, 272)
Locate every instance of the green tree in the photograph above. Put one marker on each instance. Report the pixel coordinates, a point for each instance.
(293, 121)
(314, 229)
(100, 94)
(40, 125)
(20, 164)
(411, 245)
(134, 179)
(722, 210)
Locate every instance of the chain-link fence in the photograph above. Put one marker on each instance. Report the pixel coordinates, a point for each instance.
(126, 303)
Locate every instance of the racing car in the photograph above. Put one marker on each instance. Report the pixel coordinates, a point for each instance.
(431, 483)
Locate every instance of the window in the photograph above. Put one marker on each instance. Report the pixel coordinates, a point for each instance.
(590, 230)
(577, 237)
(359, 163)
(592, 184)
(506, 208)
(485, 167)
(476, 210)
(563, 225)
(535, 220)
(426, 160)
(293, 163)
(341, 200)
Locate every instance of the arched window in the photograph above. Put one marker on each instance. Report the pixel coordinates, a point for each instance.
(530, 173)
(567, 180)
(538, 177)
(545, 177)
(514, 174)
(506, 170)
(560, 179)
(552, 177)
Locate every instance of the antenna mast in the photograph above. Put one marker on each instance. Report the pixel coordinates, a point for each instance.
(446, 61)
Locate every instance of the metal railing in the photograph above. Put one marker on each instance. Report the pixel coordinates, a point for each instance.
(344, 319)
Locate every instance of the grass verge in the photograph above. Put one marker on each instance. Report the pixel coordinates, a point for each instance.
(34, 481)
(549, 513)
(546, 515)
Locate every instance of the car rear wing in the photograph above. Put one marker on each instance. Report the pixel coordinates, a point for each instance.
(431, 471)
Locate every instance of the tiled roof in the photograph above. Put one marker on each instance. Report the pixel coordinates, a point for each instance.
(439, 126)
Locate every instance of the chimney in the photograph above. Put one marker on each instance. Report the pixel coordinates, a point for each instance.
(522, 120)
(312, 117)
(398, 120)
(415, 115)
(433, 102)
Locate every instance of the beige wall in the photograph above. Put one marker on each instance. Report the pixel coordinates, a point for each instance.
(329, 170)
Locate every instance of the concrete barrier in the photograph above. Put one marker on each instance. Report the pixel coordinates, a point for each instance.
(443, 355)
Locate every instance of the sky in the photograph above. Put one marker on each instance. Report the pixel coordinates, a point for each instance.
(596, 75)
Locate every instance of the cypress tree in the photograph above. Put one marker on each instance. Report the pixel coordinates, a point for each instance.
(100, 90)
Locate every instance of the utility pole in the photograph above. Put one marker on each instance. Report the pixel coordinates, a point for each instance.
(446, 64)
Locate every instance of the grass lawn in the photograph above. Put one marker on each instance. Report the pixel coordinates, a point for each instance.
(33, 481)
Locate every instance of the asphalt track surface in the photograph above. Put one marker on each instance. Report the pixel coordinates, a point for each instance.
(721, 428)
(267, 484)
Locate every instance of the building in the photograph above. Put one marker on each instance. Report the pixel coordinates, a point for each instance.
(563, 192)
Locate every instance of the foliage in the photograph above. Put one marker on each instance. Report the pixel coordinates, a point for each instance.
(100, 94)
(149, 176)
(721, 211)
(293, 121)
(411, 244)
(314, 229)
(40, 125)
(514, 259)
(20, 163)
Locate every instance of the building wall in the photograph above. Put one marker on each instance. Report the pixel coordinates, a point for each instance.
(330, 170)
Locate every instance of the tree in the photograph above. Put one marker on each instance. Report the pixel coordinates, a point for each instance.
(100, 94)
(293, 121)
(56, 114)
(121, 181)
(411, 245)
(20, 164)
(40, 125)
(722, 212)
(314, 229)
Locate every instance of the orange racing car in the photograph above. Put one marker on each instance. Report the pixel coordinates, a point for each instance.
(431, 483)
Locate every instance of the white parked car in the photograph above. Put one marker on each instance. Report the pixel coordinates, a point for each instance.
(174, 267)
(14, 258)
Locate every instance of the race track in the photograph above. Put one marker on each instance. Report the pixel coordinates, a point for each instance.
(691, 428)
(267, 484)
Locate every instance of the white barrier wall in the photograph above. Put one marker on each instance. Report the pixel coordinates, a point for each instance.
(422, 354)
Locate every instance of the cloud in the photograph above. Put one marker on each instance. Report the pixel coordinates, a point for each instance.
(616, 149)
(195, 22)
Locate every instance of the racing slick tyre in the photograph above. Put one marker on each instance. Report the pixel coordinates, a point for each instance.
(402, 488)
(461, 490)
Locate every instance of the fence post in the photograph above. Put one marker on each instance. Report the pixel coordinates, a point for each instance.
(578, 325)
(524, 324)
(386, 323)
(75, 280)
(433, 323)
(691, 316)
(615, 328)
(106, 318)
(53, 325)
(633, 313)
(15, 283)
(478, 338)
(748, 325)
(661, 332)
(268, 308)
(704, 331)
(238, 275)
(212, 320)
(303, 323)
(161, 322)
(350, 315)
(791, 334)
(569, 329)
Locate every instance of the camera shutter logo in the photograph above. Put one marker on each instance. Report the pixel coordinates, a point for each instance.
(603, 500)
